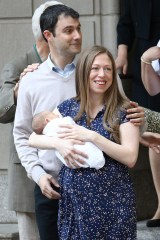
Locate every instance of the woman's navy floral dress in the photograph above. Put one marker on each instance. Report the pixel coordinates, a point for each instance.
(96, 204)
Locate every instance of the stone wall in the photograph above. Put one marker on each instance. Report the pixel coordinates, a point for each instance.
(6, 216)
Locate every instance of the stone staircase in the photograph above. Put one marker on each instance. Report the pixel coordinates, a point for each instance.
(9, 231)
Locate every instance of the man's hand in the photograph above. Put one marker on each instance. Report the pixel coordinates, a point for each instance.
(122, 64)
(29, 68)
(122, 60)
(136, 115)
(46, 181)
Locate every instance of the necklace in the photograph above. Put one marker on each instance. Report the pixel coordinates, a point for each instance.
(94, 113)
(90, 119)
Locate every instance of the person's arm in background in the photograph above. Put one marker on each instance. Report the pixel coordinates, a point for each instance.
(150, 78)
(151, 140)
(151, 137)
(122, 58)
(153, 120)
(8, 91)
(125, 37)
(9, 79)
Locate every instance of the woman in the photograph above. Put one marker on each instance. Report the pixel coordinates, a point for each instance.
(98, 204)
(150, 72)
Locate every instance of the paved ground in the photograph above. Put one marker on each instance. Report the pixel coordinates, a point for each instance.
(9, 231)
(145, 233)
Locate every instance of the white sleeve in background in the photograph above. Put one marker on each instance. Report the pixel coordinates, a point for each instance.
(95, 156)
(156, 63)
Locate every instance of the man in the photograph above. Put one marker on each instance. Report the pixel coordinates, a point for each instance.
(45, 88)
(20, 187)
(138, 33)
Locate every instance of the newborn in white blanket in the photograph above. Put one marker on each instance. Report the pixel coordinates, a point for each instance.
(51, 127)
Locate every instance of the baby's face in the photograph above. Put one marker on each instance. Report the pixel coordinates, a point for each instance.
(50, 116)
(53, 116)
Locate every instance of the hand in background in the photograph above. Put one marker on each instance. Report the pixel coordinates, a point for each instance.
(151, 140)
(29, 68)
(122, 59)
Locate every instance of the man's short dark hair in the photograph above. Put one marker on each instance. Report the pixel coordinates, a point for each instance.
(50, 16)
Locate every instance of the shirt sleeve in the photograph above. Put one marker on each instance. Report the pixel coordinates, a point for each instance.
(22, 130)
(125, 27)
(9, 77)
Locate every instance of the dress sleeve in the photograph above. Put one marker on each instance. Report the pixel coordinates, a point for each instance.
(65, 107)
(122, 117)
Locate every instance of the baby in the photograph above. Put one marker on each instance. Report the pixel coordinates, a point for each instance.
(47, 123)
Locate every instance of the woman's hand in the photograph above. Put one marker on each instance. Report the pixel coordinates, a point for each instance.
(71, 155)
(75, 132)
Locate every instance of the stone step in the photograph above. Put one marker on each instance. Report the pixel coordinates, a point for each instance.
(146, 233)
(9, 231)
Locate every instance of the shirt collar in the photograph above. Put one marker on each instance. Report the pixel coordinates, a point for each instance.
(52, 65)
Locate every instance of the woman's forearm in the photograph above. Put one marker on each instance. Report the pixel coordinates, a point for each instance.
(126, 152)
(41, 141)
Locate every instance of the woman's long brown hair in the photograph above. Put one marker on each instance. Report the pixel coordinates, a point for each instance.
(114, 100)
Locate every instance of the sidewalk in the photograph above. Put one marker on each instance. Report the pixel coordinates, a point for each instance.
(10, 232)
(145, 233)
